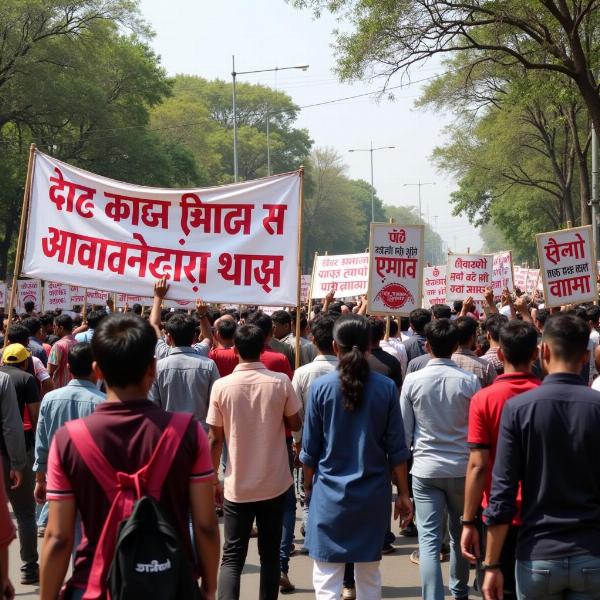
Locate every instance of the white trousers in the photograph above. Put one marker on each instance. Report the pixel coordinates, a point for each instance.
(328, 579)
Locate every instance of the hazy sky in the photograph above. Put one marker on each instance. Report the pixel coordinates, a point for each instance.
(200, 36)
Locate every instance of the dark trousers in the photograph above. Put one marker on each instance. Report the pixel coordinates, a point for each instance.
(23, 506)
(507, 560)
(238, 519)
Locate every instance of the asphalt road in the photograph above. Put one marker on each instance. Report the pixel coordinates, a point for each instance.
(400, 577)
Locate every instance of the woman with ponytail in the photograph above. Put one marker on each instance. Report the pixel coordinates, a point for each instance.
(352, 447)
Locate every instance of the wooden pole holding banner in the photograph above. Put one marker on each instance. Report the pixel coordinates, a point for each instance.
(299, 282)
(22, 233)
(387, 319)
(84, 307)
(310, 288)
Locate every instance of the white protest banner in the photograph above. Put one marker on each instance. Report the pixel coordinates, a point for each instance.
(3, 295)
(347, 274)
(236, 243)
(434, 286)
(568, 266)
(77, 296)
(180, 304)
(304, 287)
(396, 269)
(502, 274)
(97, 297)
(527, 280)
(57, 296)
(468, 275)
(29, 290)
(123, 299)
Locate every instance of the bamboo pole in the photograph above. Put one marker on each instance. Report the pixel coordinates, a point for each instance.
(310, 289)
(299, 265)
(22, 233)
(388, 317)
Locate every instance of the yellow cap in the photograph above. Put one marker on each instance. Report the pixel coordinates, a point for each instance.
(15, 354)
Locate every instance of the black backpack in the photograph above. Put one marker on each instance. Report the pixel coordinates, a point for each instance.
(139, 554)
(149, 561)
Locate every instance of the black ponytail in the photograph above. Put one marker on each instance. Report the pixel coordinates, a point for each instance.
(353, 339)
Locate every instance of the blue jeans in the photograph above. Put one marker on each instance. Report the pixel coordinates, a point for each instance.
(573, 578)
(433, 497)
(287, 532)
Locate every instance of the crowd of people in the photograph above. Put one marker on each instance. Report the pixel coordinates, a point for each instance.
(476, 430)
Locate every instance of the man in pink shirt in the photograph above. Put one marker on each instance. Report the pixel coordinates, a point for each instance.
(57, 361)
(250, 410)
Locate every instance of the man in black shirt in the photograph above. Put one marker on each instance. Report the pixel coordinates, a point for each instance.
(15, 358)
(549, 442)
(379, 359)
(415, 345)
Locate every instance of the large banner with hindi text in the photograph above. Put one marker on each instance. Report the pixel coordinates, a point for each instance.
(236, 243)
(346, 274)
(567, 266)
(396, 269)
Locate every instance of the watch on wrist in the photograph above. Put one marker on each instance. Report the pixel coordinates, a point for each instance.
(464, 521)
(491, 567)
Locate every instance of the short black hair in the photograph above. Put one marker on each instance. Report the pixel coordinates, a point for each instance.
(46, 319)
(262, 320)
(249, 341)
(542, 315)
(493, 324)
(182, 329)
(441, 311)
(18, 334)
(593, 313)
(457, 306)
(94, 317)
(377, 327)
(137, 308)
(393, 328)
(64, 321)
(281, 317)
(29, 306)
(567, 335)
(33, 324)
(419, 318)
(123, 346)
(442, 335)
(226, 329)
(80, 360)
(518, 341)
(467, 328)
(322, 332)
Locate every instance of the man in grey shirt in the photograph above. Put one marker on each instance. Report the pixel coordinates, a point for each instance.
(435, 410)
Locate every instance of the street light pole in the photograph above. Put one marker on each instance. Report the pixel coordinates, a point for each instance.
(371, 150)
(234, 74)
(420, 184)
(235, 160)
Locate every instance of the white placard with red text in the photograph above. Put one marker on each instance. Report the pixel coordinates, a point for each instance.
(57, 296)
(347, 274)
(29, 290)
(502, 274)
(96, 297)
(527, 280)
(396, 269)
(123, 299)
(236, 243)
(304, 287)
(77, 296)
(568, 266)
(468, 275)
(434, 286)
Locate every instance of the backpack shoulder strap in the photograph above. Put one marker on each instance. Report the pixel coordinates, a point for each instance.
(95, 461)
(159, 465)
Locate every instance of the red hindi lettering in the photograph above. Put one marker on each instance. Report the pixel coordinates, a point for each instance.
(83, 203)
(276, 215)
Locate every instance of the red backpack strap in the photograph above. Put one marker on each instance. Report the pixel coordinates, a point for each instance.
(123, 489)
(94, 460)
(155, 472)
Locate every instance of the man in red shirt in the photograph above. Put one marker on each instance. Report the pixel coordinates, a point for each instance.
(126, 428)
(223, 353)
(518, 351)
(274, 361)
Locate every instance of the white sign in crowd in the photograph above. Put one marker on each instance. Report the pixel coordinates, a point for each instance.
(396, 269)
(346, 274)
